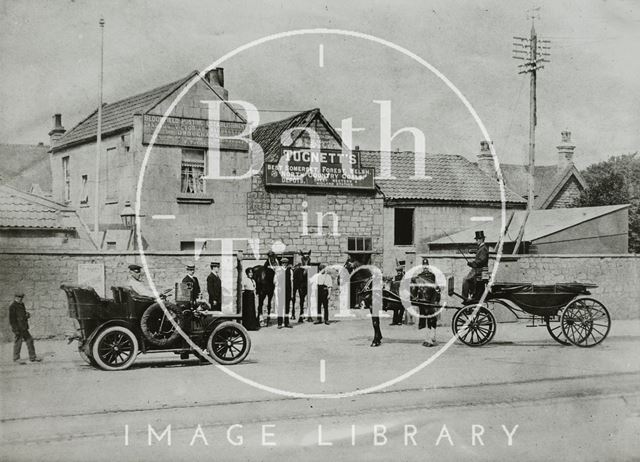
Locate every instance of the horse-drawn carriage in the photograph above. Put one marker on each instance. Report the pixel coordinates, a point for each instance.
(570, 315)
(112, 332)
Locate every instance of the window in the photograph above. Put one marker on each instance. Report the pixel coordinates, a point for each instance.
(359, 244)
(66, 179)
(403, 226)
(111, 175)
(111, 245)
(84, 193)
(191, 246)
(192, 172)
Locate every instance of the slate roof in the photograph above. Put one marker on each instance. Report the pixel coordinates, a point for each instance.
(453, 178)
(119, 115)
(541, 223)
(23, 210)
(547, 180)
(24, 165)
(268, 135)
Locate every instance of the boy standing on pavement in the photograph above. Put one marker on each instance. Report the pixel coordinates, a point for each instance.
(18, 318)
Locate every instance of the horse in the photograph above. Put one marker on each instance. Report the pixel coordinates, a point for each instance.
(264, 276)
(300, 283)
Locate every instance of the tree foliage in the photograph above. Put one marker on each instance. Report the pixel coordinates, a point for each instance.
(615, 181)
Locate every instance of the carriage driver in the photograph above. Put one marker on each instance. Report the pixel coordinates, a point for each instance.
(479, 264)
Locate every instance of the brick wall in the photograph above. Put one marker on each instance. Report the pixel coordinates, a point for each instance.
(567, 196)
(614, 275)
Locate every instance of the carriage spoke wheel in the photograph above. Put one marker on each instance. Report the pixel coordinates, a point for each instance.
(585, 322)
(229, 343)
(554, 327)
(115, 348)
(474, 328)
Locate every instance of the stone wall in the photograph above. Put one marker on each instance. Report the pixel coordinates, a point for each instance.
(40, 275)
(614, 274)
(278, 216)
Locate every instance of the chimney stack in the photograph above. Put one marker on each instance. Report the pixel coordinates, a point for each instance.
(485, 159)
(215, 78)
(57, 131)
(565, 151)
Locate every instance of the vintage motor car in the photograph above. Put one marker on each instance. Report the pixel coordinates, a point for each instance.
(111, 333)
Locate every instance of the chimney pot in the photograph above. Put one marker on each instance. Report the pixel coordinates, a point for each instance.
(565, 151)
(58, 130)
(485, 159)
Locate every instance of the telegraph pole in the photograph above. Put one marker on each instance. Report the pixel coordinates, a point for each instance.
(533, 52)
(96, 210)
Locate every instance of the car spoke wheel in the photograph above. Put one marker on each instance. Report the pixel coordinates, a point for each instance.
(115, 348)
(229, 343)
(585, 322)
(554, 327)
(474, 326)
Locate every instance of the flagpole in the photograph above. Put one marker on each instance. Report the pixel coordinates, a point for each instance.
(96, 211)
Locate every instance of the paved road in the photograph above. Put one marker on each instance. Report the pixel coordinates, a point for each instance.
(568, 403)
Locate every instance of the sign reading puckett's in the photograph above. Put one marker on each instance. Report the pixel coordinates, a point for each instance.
(303, 167)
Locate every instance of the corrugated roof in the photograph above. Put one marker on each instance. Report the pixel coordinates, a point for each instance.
(119, 115)
(540, 223)
(452, 178)
(22, 210)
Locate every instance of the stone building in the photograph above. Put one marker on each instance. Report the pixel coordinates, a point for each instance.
(555, 186)
(378, 222)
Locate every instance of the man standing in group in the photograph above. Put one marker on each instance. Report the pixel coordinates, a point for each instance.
(192, 282)
(288, 294)
(425, 290)
(398, 308)
(325, 283)
(18, 318)
(479, 264)
(214, 287)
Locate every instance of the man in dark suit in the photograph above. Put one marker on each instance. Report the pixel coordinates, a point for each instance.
(18, 318)
(288, 294)
(214, 287)
(479, 264)
(398, 308)
(192, 282)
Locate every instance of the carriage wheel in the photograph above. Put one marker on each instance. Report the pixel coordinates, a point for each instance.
(156, 326)
(229, 343)
(585, 322)
(555, 330)
(474, 328)
(115, 348)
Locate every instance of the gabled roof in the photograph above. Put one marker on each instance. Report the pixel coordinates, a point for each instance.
(453, 178)
(268, 135)
(541, 223)
(548, 182)
(19, 209)
(25, 164)
(119, 115)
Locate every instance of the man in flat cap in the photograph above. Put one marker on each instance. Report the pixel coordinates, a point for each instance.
(18, 318)
(214, 287)
(479, 264)
(134, 282)
(192, 282)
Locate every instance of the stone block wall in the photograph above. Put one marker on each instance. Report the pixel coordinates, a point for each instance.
(614, 275)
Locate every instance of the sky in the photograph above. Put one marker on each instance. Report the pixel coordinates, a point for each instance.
(49, 56)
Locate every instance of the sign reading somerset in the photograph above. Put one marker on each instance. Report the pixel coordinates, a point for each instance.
(180, 131)
(302, 167)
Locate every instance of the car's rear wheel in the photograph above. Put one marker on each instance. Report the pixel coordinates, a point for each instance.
(115, 348)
